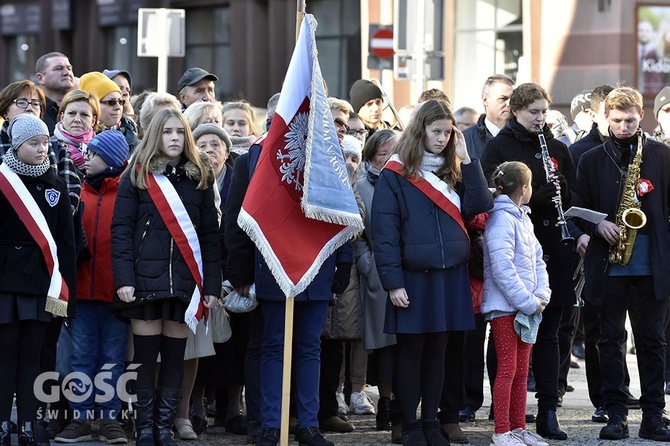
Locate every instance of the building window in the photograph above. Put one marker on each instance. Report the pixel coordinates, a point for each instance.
(338, 38)
(21, 57)
(488, 40)
(208, 45)
(121, 44)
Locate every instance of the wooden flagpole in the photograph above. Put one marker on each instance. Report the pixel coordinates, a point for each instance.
(290, 303)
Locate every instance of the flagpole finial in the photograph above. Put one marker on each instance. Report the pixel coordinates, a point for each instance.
(299, 16)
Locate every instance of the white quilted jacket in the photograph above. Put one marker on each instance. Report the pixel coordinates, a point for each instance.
(514, 272)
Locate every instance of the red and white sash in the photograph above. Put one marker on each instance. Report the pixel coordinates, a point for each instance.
(31, 215)
(178, 222)
(434, 188)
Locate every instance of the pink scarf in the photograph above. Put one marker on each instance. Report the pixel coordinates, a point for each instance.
(76, 144)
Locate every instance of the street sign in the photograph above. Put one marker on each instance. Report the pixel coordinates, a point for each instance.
(381, 43)
(161, 33)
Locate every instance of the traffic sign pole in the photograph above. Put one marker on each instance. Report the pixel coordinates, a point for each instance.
(419, 53)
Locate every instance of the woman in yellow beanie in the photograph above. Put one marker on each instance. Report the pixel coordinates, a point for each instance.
(111, 106)
(109, 95)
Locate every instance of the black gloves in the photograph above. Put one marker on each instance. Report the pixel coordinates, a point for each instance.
(341, 278)
(543, 195)
(565, 191)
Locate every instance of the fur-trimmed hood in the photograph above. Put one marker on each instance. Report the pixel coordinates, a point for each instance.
(159, 164)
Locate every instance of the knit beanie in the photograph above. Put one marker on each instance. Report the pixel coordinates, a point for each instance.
(212, 129)
(25, 126)
(111, 146)
(361, 92)
(662, 98)
(580, 103)
(97, 83)
(352, 146)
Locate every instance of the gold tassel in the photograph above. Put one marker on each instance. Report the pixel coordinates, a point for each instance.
(56, 306)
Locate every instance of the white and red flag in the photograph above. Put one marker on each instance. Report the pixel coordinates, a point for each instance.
(300, 206)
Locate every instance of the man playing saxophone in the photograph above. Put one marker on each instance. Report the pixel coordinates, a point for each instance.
(612, 179)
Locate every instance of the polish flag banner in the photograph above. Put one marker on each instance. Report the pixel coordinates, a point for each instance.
(300, 206)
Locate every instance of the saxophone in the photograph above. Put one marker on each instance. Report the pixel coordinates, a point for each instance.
(629, 217)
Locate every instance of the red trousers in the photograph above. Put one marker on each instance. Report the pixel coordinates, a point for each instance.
(510, 386)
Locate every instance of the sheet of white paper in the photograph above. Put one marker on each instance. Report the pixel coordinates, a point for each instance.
(585, 214)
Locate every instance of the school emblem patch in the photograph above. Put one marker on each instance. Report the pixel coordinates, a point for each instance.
(52, 196)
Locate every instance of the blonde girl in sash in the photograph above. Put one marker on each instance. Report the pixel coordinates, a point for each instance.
(421, 199)
(165, 257)
(38, 269)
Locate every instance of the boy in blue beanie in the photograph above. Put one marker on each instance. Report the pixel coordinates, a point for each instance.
(98, 336)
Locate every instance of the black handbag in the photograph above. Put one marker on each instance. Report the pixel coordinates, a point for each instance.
(476, 260)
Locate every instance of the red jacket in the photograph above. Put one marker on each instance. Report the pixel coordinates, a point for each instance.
(95, 279)
(477, 284)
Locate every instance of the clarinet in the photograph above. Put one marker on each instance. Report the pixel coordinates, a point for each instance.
(549, 171)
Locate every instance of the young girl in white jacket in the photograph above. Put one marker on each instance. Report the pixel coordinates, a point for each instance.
(516, 290)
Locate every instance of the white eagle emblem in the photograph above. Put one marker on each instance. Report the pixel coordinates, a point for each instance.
(52, 196)
(292, 157)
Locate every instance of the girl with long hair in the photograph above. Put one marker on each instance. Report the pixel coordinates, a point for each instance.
(165, 245)
(421, 246)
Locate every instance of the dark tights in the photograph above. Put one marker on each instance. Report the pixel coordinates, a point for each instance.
(20, 344)
(420, 373)
(172, 360)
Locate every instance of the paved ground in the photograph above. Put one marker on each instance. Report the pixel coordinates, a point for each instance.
(575, 417)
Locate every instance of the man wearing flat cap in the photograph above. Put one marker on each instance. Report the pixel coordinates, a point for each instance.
(196, 85)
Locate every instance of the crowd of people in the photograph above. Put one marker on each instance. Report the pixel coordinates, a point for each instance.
(119, 224)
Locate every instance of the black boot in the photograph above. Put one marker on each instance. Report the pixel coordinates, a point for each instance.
(5, 433)
(652, 428)
(31, 433)
(412, 434)
(547, 425)
(433, 434)
(384, 414)
(167, 400)
(144, 418)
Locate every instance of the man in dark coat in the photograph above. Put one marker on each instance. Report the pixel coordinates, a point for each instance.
(599, 134)
(641, 288)
(495, 97)
(245, 266)
(56, 79)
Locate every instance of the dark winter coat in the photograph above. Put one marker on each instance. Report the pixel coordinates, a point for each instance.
(592, 139)
(144, 254)
(476, 138)
(599, 182)
(515, 143)
(412, 233)
(24, 270)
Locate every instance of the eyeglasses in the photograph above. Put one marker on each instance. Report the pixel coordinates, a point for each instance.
(113, 102)
(90, 155)
(361, 132)
(341, 124)
(23, 103)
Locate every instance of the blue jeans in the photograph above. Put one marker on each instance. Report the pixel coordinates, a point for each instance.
(308, 322)
(98, 348)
